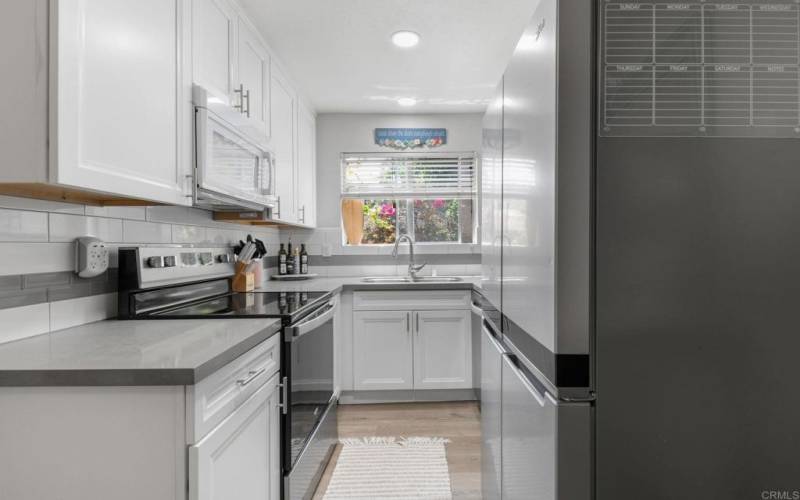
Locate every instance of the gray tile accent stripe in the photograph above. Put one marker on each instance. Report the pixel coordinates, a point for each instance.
(29, 289)
(388, 260)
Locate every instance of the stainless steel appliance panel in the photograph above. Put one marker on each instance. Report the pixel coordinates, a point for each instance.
(529, 178)
(529, 426)
(309, 355)
(491, 420)
(301, 482)
(491, 199)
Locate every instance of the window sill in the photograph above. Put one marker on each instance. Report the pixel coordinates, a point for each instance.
(419, 248)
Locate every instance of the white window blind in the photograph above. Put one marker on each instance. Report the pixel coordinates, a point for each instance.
(408, 175)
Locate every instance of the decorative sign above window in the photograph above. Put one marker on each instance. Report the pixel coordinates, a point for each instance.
(410, 138)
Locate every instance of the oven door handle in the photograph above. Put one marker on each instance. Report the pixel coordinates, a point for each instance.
(324, 316)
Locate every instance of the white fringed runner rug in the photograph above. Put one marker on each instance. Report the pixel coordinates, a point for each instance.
(389, 468)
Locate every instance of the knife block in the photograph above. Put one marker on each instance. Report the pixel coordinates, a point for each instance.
(243, 281)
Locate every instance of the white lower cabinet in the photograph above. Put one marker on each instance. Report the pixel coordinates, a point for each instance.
(427, 347)
(382, 350)
(239, 458)
(442, 350)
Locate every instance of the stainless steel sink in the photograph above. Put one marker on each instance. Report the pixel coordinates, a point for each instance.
(406, 279)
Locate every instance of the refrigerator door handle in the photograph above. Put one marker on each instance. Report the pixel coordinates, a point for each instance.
(539, 397)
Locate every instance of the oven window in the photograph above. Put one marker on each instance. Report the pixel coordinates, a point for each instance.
(311, 382)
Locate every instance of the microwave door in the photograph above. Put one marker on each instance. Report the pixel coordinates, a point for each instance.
(231, 172)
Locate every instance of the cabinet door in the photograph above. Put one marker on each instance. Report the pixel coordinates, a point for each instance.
(283, 111)
(213, 26)
(306, 168)
(442, 350)
(122, 108)
(253, 76)
(382, 350)
(239, 458)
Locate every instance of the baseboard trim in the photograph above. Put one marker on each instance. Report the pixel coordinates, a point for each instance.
(407, 396)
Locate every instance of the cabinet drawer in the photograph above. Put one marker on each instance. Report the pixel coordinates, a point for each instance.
(218, 395)
(417, 300)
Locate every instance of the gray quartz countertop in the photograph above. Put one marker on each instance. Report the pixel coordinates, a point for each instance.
(337, 284)
(134, 352)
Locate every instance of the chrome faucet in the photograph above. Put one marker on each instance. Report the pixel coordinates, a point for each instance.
(413, 268)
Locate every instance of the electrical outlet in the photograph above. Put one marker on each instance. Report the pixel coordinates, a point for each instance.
(91, 257)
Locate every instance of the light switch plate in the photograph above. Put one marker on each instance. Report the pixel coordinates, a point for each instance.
(91, 257)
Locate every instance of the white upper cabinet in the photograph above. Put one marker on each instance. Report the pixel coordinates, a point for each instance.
(213, 32)
(122, 110)
(306, 166)
(284, 113)
(252, 82)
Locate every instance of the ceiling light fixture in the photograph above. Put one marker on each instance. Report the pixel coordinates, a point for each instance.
(407, 101)
(405, 39)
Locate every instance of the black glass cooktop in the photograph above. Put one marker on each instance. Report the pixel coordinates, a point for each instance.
(253, 304)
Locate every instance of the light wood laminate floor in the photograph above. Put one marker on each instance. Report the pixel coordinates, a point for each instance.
(458, 421)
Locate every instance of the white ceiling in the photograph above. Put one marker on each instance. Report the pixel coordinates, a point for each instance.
(340, 54)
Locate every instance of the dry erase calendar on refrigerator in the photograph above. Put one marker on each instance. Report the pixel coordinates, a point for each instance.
(700, 68)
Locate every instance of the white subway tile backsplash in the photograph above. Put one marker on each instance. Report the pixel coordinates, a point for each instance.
(188, 234)
(25, 321)
(68, 227)
(182, 215)
(73, 312)
(146, 232)
(41, 205)
(23, 225)
(133, 213)
(29, 258)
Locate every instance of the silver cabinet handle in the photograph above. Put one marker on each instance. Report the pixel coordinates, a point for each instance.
(276, 213)
(240, 91)
(284, 405)
(408, 322)
(417, 321)
(252, 375)
(247, 98)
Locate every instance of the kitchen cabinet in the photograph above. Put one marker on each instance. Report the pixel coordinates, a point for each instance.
(118, 123)
(213, 35)
(412, 340)
(442, 349)
(239, 459)
(218, 439)
(284, 135)
(382, 350)
(253, 84)
(306, 166)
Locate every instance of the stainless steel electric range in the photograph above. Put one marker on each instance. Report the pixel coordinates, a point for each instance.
(180, 283)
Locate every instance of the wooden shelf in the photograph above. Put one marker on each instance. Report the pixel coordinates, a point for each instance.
(51, 192)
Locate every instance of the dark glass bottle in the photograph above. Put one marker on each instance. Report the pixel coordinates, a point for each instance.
(290, 269)
(282, 260)
(303, 259)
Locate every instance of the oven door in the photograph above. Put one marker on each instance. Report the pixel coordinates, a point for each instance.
(308, 366)
(231, 170)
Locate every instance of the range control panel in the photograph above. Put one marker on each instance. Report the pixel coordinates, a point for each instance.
(159, 266)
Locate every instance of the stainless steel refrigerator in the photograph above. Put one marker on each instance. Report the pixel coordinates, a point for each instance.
(640, 235)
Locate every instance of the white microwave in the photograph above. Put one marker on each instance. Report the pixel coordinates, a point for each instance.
(232, 169)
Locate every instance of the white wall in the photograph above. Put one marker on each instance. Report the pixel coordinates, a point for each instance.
(353, 133)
